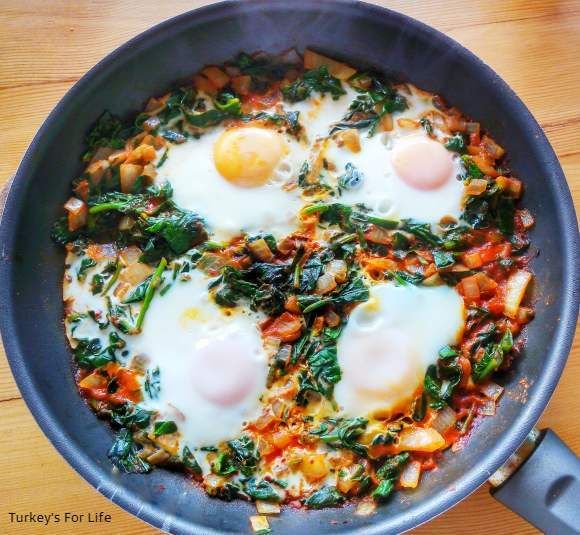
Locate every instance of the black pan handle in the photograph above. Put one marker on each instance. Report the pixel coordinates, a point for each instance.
(541, 483)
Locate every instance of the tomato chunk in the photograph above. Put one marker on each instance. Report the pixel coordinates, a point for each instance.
(287, 327)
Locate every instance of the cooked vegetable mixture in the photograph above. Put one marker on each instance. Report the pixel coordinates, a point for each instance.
(294, 281)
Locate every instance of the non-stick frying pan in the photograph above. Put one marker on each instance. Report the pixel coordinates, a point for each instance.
(31, 267)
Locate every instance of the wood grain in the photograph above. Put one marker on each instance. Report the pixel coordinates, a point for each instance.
(46, 46)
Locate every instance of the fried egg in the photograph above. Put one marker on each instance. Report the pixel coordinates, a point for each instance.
(212, 365)
(403, 173)
(388, 344)
(209, 364)
(234, 178)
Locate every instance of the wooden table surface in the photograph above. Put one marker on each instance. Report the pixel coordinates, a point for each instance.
(46, 46)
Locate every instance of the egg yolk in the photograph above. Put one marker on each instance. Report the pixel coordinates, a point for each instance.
(422, 163)
(248, 156)
(225, 373)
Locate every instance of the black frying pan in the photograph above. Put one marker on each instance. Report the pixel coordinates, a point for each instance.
(31, 267)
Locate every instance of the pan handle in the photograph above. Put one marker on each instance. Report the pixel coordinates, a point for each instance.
(541, 483)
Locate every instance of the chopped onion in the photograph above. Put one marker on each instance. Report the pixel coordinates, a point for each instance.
(210, 263)
(130, 255)
(264, 421)
(487, 408)
(386, 123)
(271, 344)
(420, 439)
(410, 475)
(525, 314)
(102, 153)
(433, 280)
(260, 524)
(338, 269)
(128, 174)
(470, 288)
(242, 84)
(407, 123)
(259, 248)
(96, 170)
(151, 124)
(93, 380)
(378, 235)
(216, 76)
(486, 284)
(492, 148)
(135, 273)
(455, 123)
(491, 390)
(267, 508)
(77, 213)
(290, 56)
(476, 186)
(444, 420)
(472, 128)
(516, 288)
(325, 284)
(526, 218)
(367, 506)
(126, 223)
(350, 138)
(331, 318)
(313, 60)
(472, 260)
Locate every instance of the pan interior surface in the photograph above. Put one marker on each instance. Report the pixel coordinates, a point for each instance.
(31, 266)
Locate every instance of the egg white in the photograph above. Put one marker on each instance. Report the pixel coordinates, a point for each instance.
(230, 210)
(178, 326)
(384, 192)
(319, 112)
(388, 343)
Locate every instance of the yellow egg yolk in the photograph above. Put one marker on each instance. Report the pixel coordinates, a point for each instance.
(248, 156)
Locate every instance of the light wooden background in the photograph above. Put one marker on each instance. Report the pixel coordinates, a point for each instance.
(45, 46)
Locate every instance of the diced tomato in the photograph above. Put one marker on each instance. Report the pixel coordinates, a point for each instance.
(216, 76)
(291, 304)
(465, 401)
(465, 365)
(241, 84)
(494, 252)
(485, 167)
(427, 463)
(203, 84)
(287, 327)
(495, 306)
(82, 189)
(256, 101)
(96, 385)
(451, 435)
